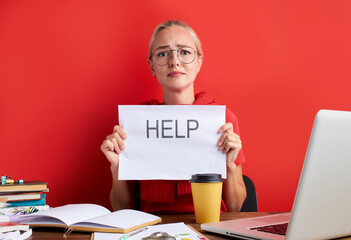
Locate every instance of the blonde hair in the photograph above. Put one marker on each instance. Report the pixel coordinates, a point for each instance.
(171, 23)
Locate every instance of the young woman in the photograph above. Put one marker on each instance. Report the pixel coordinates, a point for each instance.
(175, 59)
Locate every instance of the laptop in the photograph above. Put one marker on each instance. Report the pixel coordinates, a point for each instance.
(322, 205)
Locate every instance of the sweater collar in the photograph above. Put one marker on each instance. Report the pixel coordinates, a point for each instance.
(203, 98)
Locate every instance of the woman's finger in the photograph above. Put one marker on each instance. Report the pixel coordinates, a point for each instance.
(118, 129)
(115, 144)
(231, 140)
(120, 142)
(226, 137)
(107, 145)
(225, 127)
(235, 146)
(221, 142)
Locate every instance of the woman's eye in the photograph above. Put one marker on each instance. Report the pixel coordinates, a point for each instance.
(185, 52)
(162, 54)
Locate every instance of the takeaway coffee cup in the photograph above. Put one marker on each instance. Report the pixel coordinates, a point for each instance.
(207, 194)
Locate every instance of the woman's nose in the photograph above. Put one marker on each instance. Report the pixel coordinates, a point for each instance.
(173, 61)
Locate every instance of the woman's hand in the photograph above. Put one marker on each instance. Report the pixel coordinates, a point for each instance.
(234, 191)
(124, 193)
(229, 143)
(113, 145)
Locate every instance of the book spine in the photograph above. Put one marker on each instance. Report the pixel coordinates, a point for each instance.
(11, 211)
(29, 202)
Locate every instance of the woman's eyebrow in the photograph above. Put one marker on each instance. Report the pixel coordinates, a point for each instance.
(163, 47)
(182, 45)
(169, 47)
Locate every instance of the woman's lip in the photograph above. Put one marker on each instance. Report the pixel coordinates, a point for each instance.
(175, 74)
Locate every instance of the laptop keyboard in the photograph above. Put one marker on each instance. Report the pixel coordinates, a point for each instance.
(275, 229)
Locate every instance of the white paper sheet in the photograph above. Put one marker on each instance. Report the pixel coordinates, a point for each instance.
(16, 235)
(171, 142)
(177, 230)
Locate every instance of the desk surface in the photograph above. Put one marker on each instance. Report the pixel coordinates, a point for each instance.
(189, 219)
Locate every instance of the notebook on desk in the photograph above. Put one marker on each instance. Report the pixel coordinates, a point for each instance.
(321, 208)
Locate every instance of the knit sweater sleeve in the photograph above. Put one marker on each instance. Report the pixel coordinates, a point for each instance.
(230, 117)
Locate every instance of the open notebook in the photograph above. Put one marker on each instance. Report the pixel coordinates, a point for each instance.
(321, 207)
(91, 218)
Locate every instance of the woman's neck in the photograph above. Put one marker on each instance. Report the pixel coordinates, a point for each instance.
(185, 96)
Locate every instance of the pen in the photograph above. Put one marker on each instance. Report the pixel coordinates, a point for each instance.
(132, 234)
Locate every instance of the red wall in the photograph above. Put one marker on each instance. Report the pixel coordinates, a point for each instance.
(66, 65)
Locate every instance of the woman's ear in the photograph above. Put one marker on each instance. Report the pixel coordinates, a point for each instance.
(199, 63)
(151, 68)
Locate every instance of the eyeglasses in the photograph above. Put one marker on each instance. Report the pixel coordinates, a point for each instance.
(162, 56)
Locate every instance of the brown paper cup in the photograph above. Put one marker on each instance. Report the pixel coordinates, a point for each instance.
(207, 195)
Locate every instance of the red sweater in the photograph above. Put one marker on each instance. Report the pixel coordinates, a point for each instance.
(175, 196)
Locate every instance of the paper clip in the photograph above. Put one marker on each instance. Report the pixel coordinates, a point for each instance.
(67, 232)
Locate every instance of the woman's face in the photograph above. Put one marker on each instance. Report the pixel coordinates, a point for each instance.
(175, 75)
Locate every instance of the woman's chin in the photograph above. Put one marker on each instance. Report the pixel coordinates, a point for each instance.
(177, 87)
(177, 84)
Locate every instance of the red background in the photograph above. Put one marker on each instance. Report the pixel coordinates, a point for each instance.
(66, 65)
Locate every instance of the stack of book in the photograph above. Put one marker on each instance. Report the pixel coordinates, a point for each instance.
(13, 230)
(23, 198)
